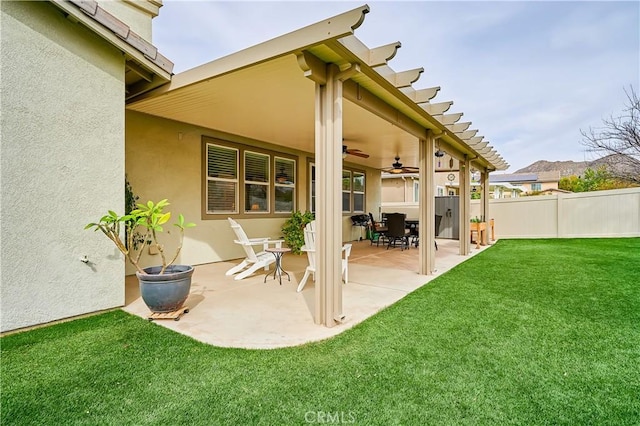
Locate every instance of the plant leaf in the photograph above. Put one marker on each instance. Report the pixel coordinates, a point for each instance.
(164, 218)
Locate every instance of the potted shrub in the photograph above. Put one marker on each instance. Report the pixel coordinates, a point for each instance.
(293, 230)
(164, 288)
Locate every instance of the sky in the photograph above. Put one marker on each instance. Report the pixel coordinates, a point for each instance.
(529, 75)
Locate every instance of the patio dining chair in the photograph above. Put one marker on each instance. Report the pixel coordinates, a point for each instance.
(415, 232)
(378, 231)
(397, 230)
(253, 260)
(310, 248)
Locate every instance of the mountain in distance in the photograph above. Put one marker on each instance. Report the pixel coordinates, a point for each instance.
(570, 168)
(566, 168)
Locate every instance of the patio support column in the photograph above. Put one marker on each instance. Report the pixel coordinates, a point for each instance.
(328, 150)
(484, 181)
(427, 207)
(465, 206)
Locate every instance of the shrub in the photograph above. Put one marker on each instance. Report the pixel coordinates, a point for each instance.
(293, 230)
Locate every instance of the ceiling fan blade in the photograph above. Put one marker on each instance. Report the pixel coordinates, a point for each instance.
(397, 167)
(354, 151)
(392, 170)
(357, 153)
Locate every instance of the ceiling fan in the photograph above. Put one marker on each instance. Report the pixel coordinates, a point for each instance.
(398, 168)
(355, 152)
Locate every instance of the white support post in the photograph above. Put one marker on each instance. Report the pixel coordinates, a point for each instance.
(328, 149)
(484, 181)
(465, 206)
(426, 212)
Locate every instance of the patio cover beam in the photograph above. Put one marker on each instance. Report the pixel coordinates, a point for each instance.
(437, 108)
(422, 95)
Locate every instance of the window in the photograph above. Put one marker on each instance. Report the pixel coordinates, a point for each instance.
(256, 182)
(222, 179)
(312, 189)
(416, 191)
(285, 185)
(536, 187)
(358, 192)
(353, 190)
(244, 180)
(346, 191)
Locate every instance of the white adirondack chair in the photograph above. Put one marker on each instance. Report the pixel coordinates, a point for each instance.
(310, 248)
(253, 261)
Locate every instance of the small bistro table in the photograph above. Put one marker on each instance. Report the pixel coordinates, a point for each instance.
(278, 252)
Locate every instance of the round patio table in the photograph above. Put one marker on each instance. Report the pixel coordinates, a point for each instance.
(278, 252)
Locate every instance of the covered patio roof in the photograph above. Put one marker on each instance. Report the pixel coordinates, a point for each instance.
(263, 93)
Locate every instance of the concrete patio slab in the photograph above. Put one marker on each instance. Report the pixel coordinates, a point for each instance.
(253, 314)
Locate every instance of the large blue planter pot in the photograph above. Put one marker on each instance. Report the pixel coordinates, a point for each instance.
(166, 292)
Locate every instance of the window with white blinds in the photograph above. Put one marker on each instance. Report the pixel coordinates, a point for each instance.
(242, 180)
(222, 179)
(256, 182)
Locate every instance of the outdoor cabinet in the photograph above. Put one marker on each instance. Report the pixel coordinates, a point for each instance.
(449, 208)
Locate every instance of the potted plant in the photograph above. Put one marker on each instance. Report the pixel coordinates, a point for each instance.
(293, 230)
(163, 288)
(479, 227)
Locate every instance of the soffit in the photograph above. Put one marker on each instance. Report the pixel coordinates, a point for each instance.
(265, 96)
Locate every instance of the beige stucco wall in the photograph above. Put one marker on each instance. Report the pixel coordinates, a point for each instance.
(393, 191)
(543, 185)
(62, 166)
(163, 160)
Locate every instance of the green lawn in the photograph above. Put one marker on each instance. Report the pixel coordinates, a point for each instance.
(527, 332)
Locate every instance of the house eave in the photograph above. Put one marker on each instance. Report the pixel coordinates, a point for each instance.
(151, 68)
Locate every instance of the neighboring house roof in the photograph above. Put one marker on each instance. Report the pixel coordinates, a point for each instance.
(509, 186)
(553, 176)
(558, 190)
(513, 177)
(146, 68)
(262, 93)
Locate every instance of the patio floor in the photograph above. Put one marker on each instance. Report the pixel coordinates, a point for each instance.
(253, 314)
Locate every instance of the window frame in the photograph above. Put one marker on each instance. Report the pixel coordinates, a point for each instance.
(292, 185)
(354, 192)
(241, 210)
(311, 165)
(348, 190)
(235, 181)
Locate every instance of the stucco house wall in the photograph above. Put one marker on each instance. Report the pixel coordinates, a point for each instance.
(62, 166)
(164, 160)
(394, 190)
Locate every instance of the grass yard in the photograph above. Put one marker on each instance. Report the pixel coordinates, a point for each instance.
(527, 332)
